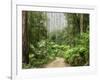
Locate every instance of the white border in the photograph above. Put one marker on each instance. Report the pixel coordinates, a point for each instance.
(18, 73)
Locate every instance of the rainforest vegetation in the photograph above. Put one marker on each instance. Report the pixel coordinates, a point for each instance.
(42, 42)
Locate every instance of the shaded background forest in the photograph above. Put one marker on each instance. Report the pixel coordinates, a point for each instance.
(47, 35)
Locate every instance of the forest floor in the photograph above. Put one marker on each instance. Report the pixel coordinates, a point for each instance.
(58, 62)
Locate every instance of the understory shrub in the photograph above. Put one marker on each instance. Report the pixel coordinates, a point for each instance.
(79, 55)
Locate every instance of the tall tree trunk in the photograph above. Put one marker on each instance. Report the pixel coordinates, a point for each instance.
(25, 48)
(81, 23)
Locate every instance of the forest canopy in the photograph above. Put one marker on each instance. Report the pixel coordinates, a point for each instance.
(47, 36)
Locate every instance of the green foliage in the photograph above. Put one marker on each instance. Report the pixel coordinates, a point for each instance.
(79, 55)
(46, 51)
(36, 27)
(68, 43)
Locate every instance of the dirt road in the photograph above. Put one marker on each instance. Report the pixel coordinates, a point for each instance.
(58, 62)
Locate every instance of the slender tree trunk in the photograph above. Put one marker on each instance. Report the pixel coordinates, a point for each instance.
(25, 48)
(81, 23)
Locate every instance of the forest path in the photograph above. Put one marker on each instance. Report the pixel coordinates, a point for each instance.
(58, 62)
